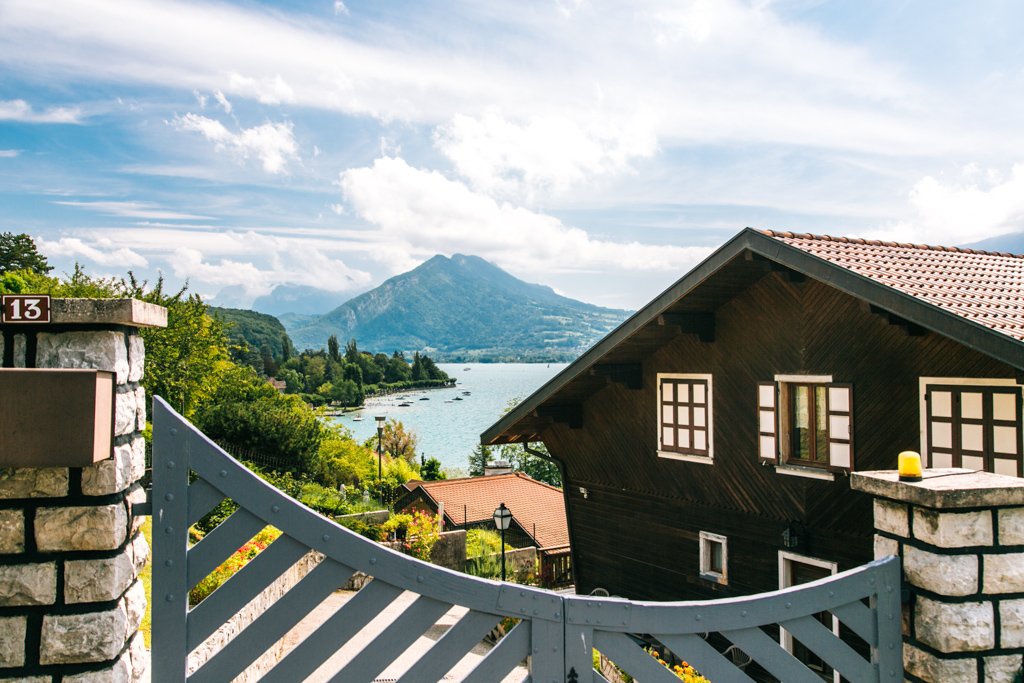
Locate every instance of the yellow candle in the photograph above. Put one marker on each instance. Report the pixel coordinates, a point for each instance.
(909, 466)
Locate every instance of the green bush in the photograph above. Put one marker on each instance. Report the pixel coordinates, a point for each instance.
(232, 565)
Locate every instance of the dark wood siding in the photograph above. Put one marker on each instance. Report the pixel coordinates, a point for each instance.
(636, 531)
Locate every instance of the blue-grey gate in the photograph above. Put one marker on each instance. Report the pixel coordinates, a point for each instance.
(555, 638)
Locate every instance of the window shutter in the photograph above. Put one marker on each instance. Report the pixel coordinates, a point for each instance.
(839, 404)
(767, 422)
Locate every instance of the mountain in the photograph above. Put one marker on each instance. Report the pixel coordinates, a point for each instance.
(461, 309)
(257, 330)
(300, 299)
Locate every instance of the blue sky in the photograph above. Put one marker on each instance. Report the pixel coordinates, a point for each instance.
(602, 148)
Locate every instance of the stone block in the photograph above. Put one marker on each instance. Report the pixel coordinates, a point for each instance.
(135, 606)
(138, 457)
(1011, 618)
(140, 408)
(955, 627)
(1004, 573)
(29, 679)
(101, 350)
(33, 482)
(20, 351)
(112, 475)
(92, 637)
(118, 672)
(953, 529)
(886, 546)
(126, 413)
(102, 527)
(140, 552)
(892, 517)
(136, 357)
(12, 531)
(140, 658)
(28, 584)
(928, 667)
(99, 580)
(943, 574)
(12, 641)
(1011, 526)
(1002, 669)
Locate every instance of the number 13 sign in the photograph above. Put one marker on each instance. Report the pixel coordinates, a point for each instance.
(21, 308)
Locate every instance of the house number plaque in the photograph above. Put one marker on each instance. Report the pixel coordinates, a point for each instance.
(20, 308)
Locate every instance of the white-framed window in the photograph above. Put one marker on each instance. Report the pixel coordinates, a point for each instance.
(974, 423)
(805, 424)
(714, 557)
(684, 417)
(795, 569)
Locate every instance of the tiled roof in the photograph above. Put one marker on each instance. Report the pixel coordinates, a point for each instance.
(984, 287)
(531, 502)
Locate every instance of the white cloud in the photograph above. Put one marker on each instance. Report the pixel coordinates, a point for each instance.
(102, 252)
(340, 9)
(973, 207)
(222, 101)
(9, 153)
(201, 99)
(272, 143)
(420, 213)
(146, 210)
(20, 110)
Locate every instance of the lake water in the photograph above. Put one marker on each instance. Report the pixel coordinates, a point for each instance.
(449, 429)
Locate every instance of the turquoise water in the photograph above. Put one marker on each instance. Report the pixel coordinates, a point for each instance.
(448, 429)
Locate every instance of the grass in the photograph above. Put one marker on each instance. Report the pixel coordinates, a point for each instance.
(146, 575)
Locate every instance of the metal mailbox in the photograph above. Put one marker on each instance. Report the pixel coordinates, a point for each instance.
(55, 418)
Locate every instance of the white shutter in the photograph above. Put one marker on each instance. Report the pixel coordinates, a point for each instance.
(839, 404)
(767, 422)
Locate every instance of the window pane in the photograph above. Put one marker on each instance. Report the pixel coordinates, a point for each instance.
(668, 437)
(1004, 466)
(839, 426)
(1004, 407)
(698, 393)
(839, 399)
(766, 395)
(682, 393)
(767, 421)
(666, 391)
(801, 416)
(942, 404)
(942, 434)
(700, 441)
(973, 462)
(666, 415)
(684, 438)
(970, 405)
(767, 447)
(942, 460)
(1004, 439)
(971, 438)
(839, 454)
(715, 563)
(698, 417)
(684, 415)
(820, 425)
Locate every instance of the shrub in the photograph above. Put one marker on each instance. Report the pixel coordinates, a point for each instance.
(232, 565)
(421, 534)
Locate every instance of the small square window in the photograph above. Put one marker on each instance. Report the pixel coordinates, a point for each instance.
(714, 558)
(685, 417)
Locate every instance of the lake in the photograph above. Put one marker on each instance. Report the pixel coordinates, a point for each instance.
(446, 428)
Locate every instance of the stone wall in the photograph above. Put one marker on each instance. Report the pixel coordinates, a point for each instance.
(70, 545)
(960, 535)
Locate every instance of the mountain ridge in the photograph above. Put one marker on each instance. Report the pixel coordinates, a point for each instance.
(461, 308)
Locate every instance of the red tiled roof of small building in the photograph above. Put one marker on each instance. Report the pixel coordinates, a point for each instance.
(532, 503)
(984, 287)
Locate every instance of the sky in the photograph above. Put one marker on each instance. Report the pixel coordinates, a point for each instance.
(601, 148)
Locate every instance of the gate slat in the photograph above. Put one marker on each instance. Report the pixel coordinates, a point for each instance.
(236, 592)
(393, 640)
(631, 658)
(858, 618)
(709, 661)
(509, 651)
(827, 645)
(771, 656)
(451, 647)
(219, 544)
(308, 655)
(277, 620)
(202, 497)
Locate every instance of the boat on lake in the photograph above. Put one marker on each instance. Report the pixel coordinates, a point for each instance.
(404, 404)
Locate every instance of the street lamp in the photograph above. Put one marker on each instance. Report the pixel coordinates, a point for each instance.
(502, 519)
(380, 446)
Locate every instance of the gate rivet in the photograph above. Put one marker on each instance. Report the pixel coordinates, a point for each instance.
(174, 430)
(373, 560)
(419, 579)
(534, 612)
(169, 530)
(275, 508)
(169, 597)
(522, 594)
(170, 464)
(326, 537)
(831, 594)
(743, 613)
(892, 646)
(169, 497)
(888, 589)
(872, 581)
(558, 615)
(788, 605)
(223, 473)
(168, 563)
(697, 618)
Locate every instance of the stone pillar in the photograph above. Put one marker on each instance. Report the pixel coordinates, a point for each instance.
(70, 546)
(960, 536)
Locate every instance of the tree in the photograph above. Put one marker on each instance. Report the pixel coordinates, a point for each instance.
(333, 350)
(478, 460)
(18, 252)
(397, 441)
(537, 468)
(431, 470)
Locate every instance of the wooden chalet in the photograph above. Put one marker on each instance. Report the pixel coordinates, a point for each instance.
(538, 514)
(706, 443)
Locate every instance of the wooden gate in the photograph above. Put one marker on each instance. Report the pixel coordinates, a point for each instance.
(554, 637)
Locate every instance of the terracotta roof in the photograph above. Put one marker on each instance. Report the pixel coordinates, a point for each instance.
(984, 287)
(532, 503)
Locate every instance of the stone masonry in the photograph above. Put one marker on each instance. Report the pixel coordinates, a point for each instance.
(70, 546)
(960, 535)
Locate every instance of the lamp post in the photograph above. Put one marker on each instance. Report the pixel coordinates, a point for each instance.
(380, 446)
(502, 519)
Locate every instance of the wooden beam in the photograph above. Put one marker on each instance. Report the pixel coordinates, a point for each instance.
(567, 413)
(701, 323)
(912, 329)
(630, 374)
